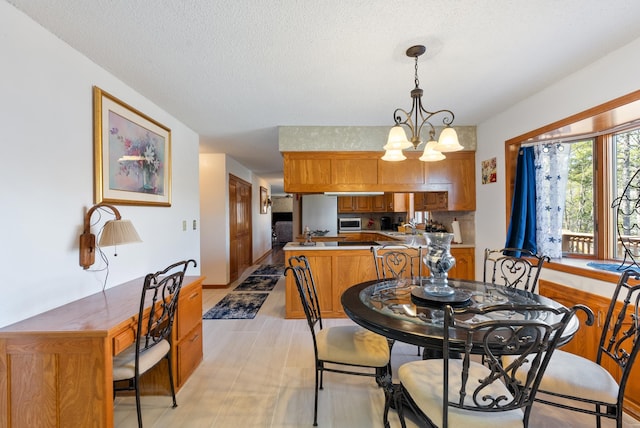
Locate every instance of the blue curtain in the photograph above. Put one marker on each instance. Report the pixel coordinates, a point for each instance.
(522, 225)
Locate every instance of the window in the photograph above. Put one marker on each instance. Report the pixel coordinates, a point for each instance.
(604, 158)
(626, 185)
(578, 223)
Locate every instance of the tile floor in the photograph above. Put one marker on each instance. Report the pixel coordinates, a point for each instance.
(259, 373)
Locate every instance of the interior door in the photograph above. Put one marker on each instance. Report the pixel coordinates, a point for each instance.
(240, 233)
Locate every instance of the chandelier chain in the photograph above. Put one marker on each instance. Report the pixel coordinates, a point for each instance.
(416, 76)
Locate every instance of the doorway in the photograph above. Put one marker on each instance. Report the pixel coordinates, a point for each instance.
(240, 233)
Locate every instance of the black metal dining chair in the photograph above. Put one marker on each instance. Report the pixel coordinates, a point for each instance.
(397, 261)
(513, 267)
(153, 343)
(338, 349)
(579, 384)
(463, 392)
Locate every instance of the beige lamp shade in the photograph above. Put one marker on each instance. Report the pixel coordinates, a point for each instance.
(397, 139)
(114, 232)
(393, 155)
(448, 141)
(117, 232)
(431, 155)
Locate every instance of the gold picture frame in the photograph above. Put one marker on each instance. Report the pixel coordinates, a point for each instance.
(264, 200)
(132, 154)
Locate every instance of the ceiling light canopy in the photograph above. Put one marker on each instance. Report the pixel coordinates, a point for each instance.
(416, 120)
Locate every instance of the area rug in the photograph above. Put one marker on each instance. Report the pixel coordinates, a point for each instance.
(236, 306)
(258, 283)
(269, 270)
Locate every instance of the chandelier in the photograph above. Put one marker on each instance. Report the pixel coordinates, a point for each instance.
(417, 120)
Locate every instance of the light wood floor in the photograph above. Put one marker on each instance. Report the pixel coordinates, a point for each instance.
(259, 373)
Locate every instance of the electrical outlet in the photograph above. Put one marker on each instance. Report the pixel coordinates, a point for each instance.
(194, 225)
(184, 225)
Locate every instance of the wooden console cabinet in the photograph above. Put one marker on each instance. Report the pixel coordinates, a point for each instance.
(585, 342)
(56, 367)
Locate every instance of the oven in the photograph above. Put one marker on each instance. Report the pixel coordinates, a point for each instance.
(347, 224)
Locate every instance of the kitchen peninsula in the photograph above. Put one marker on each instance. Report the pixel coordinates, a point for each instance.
(339, 264)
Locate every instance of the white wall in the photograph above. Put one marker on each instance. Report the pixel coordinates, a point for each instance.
(46, 178)
(214, 211)
(214, 214)
(611, 77)
(261, 223)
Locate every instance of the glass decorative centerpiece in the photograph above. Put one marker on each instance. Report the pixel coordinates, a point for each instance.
(439, 260)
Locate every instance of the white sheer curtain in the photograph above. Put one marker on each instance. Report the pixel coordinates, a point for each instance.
(552, 165)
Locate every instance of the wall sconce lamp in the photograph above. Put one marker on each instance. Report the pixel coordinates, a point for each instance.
(114, 232)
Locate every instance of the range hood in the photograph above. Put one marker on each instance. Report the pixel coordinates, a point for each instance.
(353, 193)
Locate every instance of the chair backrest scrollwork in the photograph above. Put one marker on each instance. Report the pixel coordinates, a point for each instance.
(513, 267)
(529, 337)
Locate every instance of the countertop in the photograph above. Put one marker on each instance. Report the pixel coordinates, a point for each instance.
(386, 238)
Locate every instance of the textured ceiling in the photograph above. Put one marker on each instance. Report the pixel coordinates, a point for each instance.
(235, 70)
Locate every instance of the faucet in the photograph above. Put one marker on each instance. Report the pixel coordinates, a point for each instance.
(412, 225)
(307, 236)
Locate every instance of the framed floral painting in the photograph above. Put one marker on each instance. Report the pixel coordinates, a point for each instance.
(132, 154)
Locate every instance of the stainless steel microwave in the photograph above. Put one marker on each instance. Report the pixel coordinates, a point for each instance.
(349, 224)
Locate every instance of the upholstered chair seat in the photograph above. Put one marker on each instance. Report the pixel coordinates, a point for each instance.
(124, 364)
(415, 375)
(351, 344)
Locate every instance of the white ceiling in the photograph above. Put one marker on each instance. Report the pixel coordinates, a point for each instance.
(235, 70)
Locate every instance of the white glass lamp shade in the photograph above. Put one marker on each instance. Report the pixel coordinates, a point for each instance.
(393, 155)
(397, 139)
(117, 232)
(448, 141)
(431, 155)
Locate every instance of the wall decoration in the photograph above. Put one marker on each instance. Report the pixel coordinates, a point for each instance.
(489, 171)
(264, 200)
(132, 154)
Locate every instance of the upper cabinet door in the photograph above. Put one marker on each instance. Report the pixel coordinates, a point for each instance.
(306, 175)
(409, 171)
(354, 171)
(457, 175)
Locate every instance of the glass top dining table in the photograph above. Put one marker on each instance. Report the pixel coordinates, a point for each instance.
(387, 308)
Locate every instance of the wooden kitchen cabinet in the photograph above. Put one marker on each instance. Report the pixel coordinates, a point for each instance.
(431, 201)
(315, 172)
(456, 175)
(311, 173)
(409, 171)
(586, 340)
(334, 272)
(396, 202)
(345, 204)
(355, 204)
(379, 203)
(389, 202)
(347, 171)
(465, 267)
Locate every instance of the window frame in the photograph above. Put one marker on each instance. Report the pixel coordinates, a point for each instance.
(599, 123)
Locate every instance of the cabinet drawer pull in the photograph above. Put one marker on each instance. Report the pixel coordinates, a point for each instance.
(194, 338)
(194, 295)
